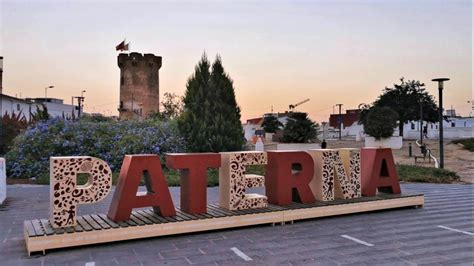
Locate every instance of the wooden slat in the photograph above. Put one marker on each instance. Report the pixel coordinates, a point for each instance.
(37, 226)
(221, 210)
(101, 222)
(108, 221)
(224, 210)
(170, 219)
(206, 215)
(182, 215)
(86, 226)
(69, 229)
(190, 216)
(141, 217)
(215, 213)
(199, 215)
(136, 220)
(275, 207)
(58, 231)
(30, 229)
(149, 216)
(48, 229)
(161, 219)
(122, 224)
(91, 221)
(78, 228)
(131, 222)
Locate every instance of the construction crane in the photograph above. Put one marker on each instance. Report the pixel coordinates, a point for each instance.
(292, 106)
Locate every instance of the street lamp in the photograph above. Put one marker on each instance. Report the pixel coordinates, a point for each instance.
(421, 121)
(440, 113)
(46, 91)
(339, 118)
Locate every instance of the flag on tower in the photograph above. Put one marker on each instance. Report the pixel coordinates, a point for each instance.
(122, 46)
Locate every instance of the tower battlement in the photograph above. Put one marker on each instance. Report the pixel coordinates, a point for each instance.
(138, 59)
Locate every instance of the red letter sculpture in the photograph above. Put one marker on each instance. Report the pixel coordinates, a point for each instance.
(281, 184)
(378, 172)
(193, 169)
(125, 196)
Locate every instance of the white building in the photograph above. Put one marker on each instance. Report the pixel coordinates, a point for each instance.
(254, 125)
(28, 107)
(11, 105)
(453, 128)
(57, 107)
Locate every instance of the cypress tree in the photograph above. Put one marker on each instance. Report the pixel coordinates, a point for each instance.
(211, 118)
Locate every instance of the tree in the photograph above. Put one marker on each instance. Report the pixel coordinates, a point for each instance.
(41, 114)
(11, 125)
(380, 122)
(299, 129)
(210, 121)
(172, 107)
(405, 99)
(271, 124)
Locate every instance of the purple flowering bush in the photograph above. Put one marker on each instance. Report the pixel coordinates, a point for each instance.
(109, 141)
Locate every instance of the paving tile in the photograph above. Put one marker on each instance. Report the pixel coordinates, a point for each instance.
(181, 253)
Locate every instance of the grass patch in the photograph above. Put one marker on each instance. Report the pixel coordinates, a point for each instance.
(172, 178)
(468, 144)
(413, 173)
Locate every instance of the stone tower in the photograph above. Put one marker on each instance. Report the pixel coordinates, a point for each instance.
(139, 85)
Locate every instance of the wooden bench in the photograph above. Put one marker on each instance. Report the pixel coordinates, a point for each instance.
(97, 228)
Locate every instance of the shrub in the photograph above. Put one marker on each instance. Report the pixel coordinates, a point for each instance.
(299, 129)
(468, 144)
(271, 124)
(10, 126)
(109, 141)
(414, 173)
(380, 122)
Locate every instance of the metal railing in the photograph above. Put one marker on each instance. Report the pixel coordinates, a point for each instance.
(429, 154)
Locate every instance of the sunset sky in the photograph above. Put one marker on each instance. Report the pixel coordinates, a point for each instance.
(277, 52)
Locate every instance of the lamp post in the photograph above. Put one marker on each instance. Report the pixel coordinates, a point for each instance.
(339, 120)
(46, 91)
(440, 112)
(421, 121)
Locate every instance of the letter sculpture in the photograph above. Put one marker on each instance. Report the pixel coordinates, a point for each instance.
(233, 181)
(282, 184)
(378, 172)
(193, 169)
(65, 194)
(125, 197)
(336, 174)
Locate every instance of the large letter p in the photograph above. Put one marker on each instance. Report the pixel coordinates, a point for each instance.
(65, 195)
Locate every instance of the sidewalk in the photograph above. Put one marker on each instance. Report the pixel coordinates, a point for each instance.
(441, 232)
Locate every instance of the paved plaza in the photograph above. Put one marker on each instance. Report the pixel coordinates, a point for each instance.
(441, 233)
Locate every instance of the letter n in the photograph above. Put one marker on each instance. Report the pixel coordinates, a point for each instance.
(125, 198)
(336, 174)
(378, 172)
